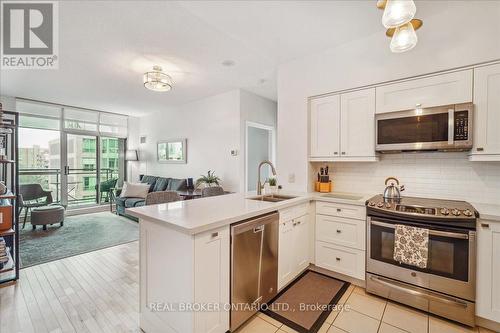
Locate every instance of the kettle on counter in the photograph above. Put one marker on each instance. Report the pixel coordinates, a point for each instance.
(393, 189)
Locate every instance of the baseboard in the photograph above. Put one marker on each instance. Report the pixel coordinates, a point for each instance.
(489, 324)
(87, 210)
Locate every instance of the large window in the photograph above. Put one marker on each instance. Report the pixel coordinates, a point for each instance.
(89, 137)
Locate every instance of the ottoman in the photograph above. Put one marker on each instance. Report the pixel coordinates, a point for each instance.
(47, 215)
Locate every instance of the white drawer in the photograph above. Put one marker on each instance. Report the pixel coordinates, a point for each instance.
(341, 259)
(341, 231)
(293, 212)
(341, 210)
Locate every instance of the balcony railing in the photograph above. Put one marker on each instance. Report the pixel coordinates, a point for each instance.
(81, 183)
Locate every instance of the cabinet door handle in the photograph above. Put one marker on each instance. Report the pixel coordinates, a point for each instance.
(343, 153)
(339, 210)
(339, 231)
(485, 225)
(215, 234)
(336, 153)
(338, 259)
(480, 149)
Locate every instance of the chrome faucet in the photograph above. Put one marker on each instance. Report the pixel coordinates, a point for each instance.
(259, 184)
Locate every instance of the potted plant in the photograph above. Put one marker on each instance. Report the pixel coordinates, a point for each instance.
(273, 184)
(208, 180)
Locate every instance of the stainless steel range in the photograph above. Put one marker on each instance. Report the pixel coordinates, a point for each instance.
(446, 286)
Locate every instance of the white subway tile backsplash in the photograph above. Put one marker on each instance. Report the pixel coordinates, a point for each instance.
(436, 175)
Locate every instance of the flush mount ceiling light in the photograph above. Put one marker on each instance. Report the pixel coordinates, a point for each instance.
(157, 80)
(399, 19)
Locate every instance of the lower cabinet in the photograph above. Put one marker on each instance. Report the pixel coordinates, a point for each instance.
(341, 238)
(181, 270)
(341, 259)
(293, 253)
(488, 270)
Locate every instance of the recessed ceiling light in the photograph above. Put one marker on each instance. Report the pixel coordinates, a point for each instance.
(228, 63)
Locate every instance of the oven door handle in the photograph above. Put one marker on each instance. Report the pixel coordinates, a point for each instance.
(428, 295)
(446, 234)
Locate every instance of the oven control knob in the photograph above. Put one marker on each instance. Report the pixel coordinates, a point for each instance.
(468, 212)
(380, 205)
(371, 204)
(388, 205)
(444, 211)
(455, 212)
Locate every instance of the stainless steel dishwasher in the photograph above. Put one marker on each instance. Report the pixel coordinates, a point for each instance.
(254, 266)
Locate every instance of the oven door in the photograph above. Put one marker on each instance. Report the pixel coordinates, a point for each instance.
(451, 260)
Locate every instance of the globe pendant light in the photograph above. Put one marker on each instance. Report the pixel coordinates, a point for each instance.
(157, 80)
(398, 12)
(404, 38)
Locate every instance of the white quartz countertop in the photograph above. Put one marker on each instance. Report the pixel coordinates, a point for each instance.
(488, 211)
(199, 215)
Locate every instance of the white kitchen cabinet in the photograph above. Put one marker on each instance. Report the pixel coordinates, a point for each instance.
(198, 273)
(324, 127)
(357, 124)
(301, 243)
(341, 231)
(211, 252)
(342, 127)
(486, 114)
(488, 270)
(293, 247)
(341, 259)
(441, 89)
(285, 253)
(341, 238)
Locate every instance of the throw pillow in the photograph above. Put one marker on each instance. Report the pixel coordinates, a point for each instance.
(134, 190)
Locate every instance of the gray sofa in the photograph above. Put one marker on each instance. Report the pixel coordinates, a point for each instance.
(155, 184)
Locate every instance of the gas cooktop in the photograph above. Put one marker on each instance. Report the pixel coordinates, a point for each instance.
(429, 208)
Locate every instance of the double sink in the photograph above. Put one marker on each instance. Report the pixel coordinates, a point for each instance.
(272, 197)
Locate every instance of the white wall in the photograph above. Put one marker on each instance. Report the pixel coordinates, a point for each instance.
(8, 103)
(255, 109)
(461, 33)
(211, 127)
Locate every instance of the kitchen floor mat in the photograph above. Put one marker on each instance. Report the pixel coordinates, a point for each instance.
(305, 304)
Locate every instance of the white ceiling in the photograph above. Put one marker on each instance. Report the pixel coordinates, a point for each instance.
(105, 46)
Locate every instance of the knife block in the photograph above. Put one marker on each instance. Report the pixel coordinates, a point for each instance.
(323, 187)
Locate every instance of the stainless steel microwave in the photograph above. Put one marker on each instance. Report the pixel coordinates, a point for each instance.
(442, 128)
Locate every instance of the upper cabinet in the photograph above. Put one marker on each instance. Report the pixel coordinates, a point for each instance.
(325, 127)
(342, 127)
(443, 89)
(357, 129)
(486, 114)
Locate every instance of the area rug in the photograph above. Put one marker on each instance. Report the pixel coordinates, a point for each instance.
(80, 234)
(305, 304)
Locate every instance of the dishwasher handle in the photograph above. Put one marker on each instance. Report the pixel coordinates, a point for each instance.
(256, 224)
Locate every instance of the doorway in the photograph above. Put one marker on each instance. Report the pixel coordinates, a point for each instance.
(260, 145)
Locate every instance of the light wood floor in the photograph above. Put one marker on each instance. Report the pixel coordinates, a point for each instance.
(92, 292)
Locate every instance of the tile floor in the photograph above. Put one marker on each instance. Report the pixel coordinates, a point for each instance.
(367, 314)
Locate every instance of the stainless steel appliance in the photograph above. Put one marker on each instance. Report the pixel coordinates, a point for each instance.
(446, 287)
(443, 128)
(254, 266)
(393, 189)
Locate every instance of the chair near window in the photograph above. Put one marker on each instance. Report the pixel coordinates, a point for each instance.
(106, 188)
(32, 196)
(212, 191)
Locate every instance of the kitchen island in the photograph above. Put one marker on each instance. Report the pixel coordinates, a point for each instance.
(185, 260)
